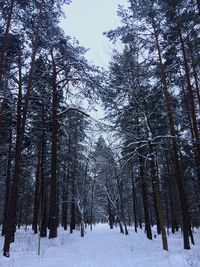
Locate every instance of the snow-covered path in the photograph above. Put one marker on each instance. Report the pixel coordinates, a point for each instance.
(100, 248)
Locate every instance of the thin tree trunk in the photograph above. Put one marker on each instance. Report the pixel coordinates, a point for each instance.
(73, 203)
(134, 201)
(194, 72)
(53, 191)
(158, 227)
(91, 206)
(118, 219)
(120, 191)
(82, 226)
(20, 211)
(8, 181)
(110, 215)
(43, 190)
(139, 213)
(65, 189)
(37, 193)
(65, 199)
(174, 223)
(157, 197)
(145, 199)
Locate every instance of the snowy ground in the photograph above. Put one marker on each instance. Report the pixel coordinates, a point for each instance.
(100, 248)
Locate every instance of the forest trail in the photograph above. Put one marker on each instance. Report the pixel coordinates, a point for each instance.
(101, 247)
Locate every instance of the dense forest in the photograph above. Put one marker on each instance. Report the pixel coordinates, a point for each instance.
(139, 166)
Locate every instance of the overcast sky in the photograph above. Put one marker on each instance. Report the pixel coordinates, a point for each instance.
(86, 20)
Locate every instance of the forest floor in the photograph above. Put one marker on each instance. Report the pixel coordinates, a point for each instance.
(101, 247)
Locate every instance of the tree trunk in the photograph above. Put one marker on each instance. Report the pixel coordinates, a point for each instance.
(65, 189)
(134, 201)
(8, 182)
(91, 206)
(65, 199)
(82, 227)
(158, 227)
(21, 123)
(5, 41)
(53, 191)
(157, 197)
(145, 199)
(118, 219)
(178, 171)
(174, 223)
(37, 193)
(194, 72)
(43, 183)
(191, 102)
(110, 215)
(138, 207)
(192, 136)
(120, 192)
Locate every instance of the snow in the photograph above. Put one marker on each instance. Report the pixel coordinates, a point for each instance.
(101, 247)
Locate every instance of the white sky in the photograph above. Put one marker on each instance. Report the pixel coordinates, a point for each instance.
(86, 20)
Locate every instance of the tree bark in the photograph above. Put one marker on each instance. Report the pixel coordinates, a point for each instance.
(43, 191)
(134, 201)
(178, 171)
(8, 182)
(110, 214)
(53, 191)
